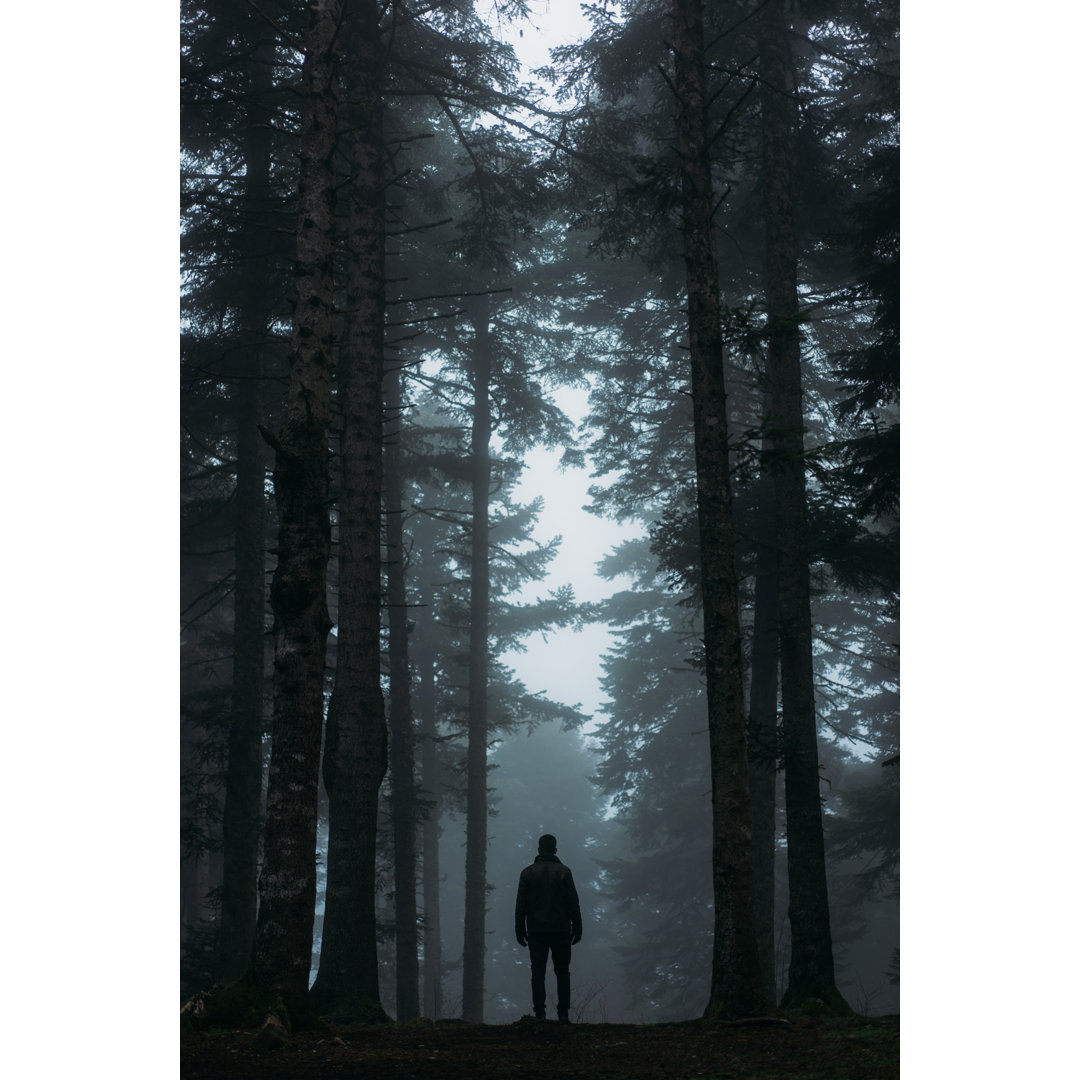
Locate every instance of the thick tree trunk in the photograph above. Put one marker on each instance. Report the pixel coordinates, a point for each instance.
(282, 952)
(347, 987)
(403, 804)
(243, 778)
(736, 988)
(811, 971)
(472, 981)
(762, 740)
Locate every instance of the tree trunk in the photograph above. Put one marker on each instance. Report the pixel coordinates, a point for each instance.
(282, 952)
(403, 804)
(811, 971)
(347, 987)
(762, 739)
(430, 780)
(736, 988)
(472, 982)
(243, 778)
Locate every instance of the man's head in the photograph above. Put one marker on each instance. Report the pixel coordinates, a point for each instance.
(547, 845)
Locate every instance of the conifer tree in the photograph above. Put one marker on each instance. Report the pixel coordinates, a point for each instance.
(736, 979)
(811, 971)
(282, 950)
(355, 754)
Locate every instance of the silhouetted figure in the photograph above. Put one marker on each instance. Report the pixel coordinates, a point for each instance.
(548, 917)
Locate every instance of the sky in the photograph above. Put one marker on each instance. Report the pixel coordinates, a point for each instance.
(565, 663)
(552, 23)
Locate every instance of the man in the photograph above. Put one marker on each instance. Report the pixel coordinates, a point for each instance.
(547, 917)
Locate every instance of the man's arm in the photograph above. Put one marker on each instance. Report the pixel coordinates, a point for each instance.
(519, 913)
(575, 908)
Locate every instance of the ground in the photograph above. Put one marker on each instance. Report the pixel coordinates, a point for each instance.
(807, 1048)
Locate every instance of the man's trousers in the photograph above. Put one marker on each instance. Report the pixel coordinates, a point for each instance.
(558, 943)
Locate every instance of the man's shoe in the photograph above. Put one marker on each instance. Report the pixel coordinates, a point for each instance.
(564, 1018)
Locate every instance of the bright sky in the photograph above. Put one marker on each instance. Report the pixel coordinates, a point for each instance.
(567, 664)
(553, 22)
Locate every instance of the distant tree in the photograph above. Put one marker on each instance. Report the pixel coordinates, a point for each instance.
(472, 993)
(654, 774)
(403, 794)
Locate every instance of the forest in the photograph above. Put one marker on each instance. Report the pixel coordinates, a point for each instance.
(666, 255)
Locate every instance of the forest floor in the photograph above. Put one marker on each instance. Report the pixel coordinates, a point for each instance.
(809, 1048)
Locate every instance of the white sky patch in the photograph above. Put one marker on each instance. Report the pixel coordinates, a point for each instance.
(552, 23)
(563, 663)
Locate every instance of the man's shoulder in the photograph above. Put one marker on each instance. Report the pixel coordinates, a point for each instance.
(545, 866)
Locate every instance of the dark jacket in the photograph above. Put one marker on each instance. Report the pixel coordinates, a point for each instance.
(547, 899)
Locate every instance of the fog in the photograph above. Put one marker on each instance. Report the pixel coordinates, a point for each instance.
(545, 432)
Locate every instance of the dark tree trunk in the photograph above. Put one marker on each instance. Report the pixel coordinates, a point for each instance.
(431, 783)
(424, 654)
(762, 739)
(243, 777)
(282, 951)
(811, 971)
(403, 803)
(472, 981)
(347, 987)
(736, 988)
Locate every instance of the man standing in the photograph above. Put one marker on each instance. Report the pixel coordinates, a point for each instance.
(548, 917)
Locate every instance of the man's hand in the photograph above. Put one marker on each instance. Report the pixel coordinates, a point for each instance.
(523, 939)
(576, 938)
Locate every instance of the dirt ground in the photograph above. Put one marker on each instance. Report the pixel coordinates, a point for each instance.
(804, 1049)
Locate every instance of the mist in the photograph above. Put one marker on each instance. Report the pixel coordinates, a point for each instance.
(540, 475)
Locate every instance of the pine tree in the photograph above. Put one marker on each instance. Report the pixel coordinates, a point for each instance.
(235, 277)
(282, 949)
(355, 754)
(736, 980)
(811, 972)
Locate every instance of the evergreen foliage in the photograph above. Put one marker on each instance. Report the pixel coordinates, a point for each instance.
(531, 247)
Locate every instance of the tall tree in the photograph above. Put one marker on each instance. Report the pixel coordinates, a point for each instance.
(430, 774)
(472, 993)
(762, 735)
(355, 757)
(282, 950)
(736, 979)
(243, 779)
(403, 795)
(811, 973)
(236, 271)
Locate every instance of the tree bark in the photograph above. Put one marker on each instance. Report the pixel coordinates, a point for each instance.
(811, 972)
(735, 988)
(472, 982)
(403, 802)
(281, 957)
(430, 780)
(763, 740)
(243, 778)
(347, 987)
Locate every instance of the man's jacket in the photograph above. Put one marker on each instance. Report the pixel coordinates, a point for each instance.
(547, 899)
